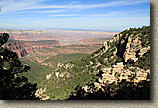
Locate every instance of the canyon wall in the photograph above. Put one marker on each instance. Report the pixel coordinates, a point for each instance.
(22, 48)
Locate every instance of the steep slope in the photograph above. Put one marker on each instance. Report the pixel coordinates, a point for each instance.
(37, 72)
(17, 47)
(118, 60)
(22, 48)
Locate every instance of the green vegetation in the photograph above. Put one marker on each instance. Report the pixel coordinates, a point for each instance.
(80, 75)
(144, 61)
(37, 73)
(79, 70)
(143, 32)
(84, 71)
(13, 85)
(64, 58)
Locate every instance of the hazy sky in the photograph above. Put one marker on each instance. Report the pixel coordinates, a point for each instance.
(113, 15)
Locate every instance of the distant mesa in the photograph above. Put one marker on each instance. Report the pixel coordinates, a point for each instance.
(63, 36)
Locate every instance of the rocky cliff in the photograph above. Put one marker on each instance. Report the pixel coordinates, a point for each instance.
(125, 58)
(22, 48)
(18, 48)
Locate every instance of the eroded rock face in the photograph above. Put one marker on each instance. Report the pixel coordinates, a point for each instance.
(22, 48)
(18, 48)
(130, 48)
(144, 50)
(120, 65)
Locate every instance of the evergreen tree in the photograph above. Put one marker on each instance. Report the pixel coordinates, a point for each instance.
(13, 86)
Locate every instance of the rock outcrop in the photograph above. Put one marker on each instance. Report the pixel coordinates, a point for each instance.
(22, 48)
(130, 47)
(124, 58)
(18, 48)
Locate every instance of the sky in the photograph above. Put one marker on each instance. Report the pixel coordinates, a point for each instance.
(107, 15)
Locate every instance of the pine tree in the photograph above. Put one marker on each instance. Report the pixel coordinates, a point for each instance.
(13, 86)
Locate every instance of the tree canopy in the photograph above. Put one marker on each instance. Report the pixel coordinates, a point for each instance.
(13, 86)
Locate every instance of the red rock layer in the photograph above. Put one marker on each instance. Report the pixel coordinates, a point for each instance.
(24, 48)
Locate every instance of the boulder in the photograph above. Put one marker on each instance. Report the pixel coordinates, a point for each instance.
(57, 74)
(120, 65)
(97, 85)
(48, 76)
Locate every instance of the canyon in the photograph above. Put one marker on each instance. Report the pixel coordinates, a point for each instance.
(84, 65)
(119, 69)
(22, 48)
(25, 42)
(65, 37)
